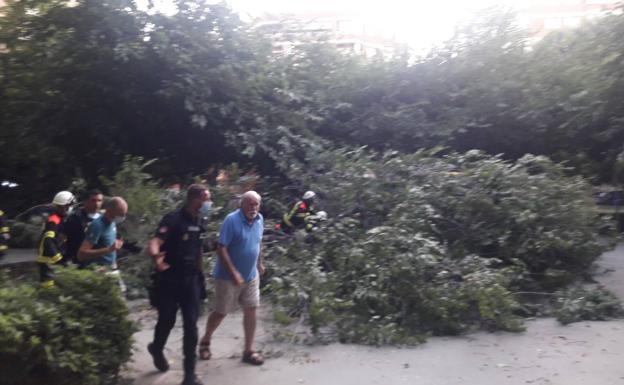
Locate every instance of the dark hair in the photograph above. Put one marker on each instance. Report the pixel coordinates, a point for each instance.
(196, 190)
(91, 193)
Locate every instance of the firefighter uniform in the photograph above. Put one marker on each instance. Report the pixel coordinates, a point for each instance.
(298, 217)
(4, 234)
(52, 239)
(50, 249)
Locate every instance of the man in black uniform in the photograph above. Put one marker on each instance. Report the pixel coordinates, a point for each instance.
(78, 221)
(176, 249)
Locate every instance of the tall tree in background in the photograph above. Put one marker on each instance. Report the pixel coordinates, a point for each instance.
(86, 84)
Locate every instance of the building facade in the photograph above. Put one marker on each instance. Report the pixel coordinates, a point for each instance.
(544, 16)
(347, 32)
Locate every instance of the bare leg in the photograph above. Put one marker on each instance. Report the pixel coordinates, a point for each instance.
(214, 320)
(249, 325)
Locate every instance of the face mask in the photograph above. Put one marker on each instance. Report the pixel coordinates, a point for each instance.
(93, 215)
(119, 220)
(205, 208)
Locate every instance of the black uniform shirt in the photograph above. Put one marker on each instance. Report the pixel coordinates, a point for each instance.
(182, 236)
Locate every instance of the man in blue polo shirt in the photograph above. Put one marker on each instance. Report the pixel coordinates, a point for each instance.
(237, 272)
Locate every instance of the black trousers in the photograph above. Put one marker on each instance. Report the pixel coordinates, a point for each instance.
(174, 293)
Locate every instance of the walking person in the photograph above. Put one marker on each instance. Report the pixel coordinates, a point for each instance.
(177, 250)
(101, 242)
(237, 274)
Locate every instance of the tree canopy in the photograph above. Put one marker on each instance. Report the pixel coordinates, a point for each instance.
(84, 85)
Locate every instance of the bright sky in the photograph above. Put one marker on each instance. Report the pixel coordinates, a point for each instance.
(420, 23)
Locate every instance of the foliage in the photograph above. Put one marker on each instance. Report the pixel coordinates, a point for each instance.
(75, 333)
(471, 203)
(578, 304)
(421, 244)
(84, 85)
(104, 79)
(485, 88)
(59, 72)
(146, 199)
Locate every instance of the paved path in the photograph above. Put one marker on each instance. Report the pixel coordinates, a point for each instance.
(585, 353)
(14, 256)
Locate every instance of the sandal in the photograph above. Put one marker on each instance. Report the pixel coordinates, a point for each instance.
(204, 351)
(253, 358)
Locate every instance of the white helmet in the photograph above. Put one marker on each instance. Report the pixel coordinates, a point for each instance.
(321, 215)
(309, 195)
(63, 198)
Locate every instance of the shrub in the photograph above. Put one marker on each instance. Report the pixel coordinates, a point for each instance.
(77, 333)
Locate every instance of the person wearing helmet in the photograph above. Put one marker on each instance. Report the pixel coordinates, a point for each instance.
(297, 217)
(4, 235)
(52, 239)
